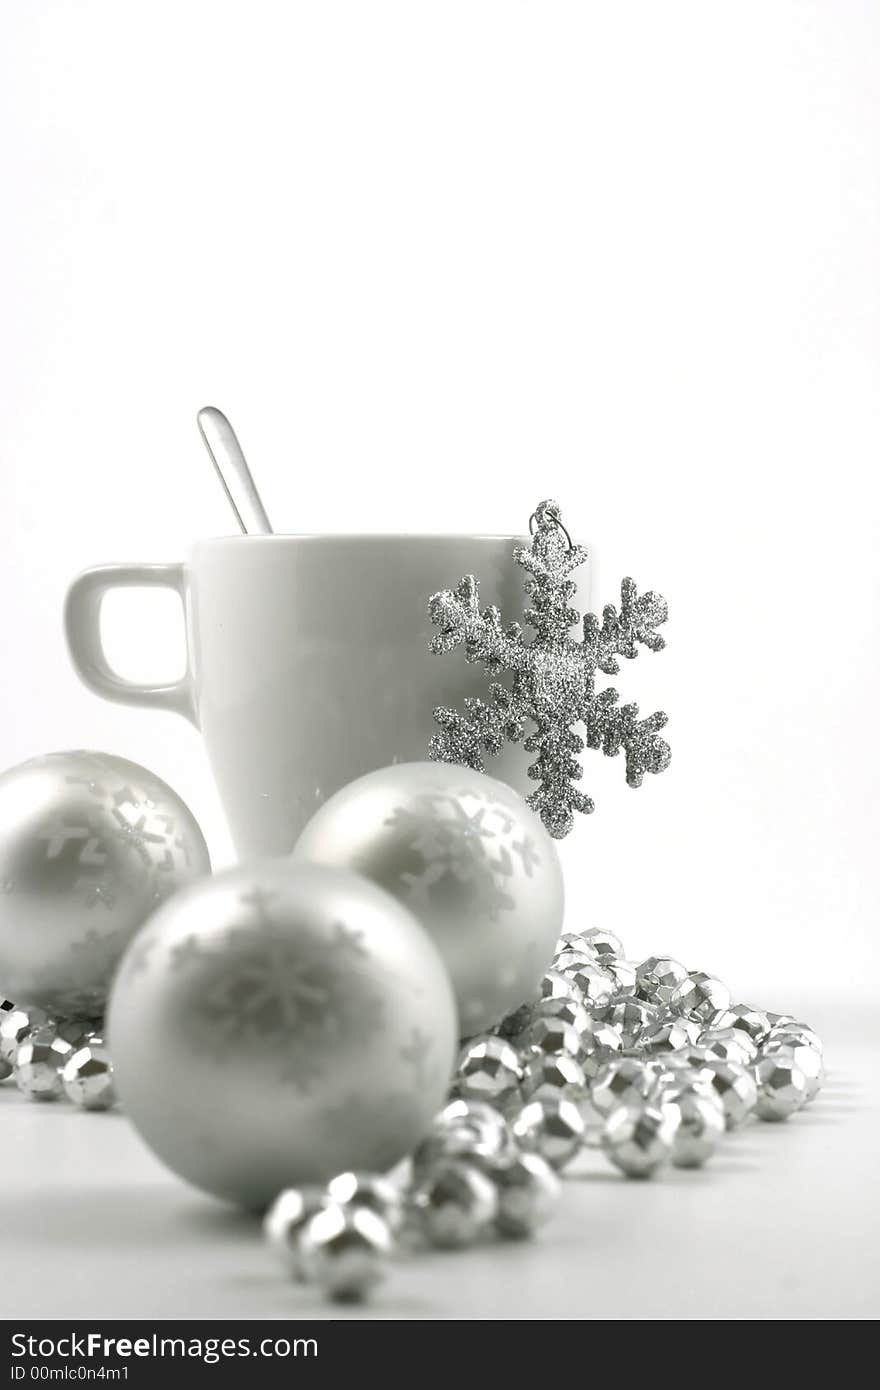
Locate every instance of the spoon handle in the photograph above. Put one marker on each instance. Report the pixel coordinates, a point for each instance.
(233, 472)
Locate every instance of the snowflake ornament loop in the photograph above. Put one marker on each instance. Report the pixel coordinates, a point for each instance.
(554, 676)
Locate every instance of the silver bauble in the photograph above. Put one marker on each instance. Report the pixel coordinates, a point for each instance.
(639, 1139)
(468, 857)
(90, 846)
(278, 1023)
(783, 1086)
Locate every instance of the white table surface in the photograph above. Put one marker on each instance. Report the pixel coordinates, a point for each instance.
(783, 1223)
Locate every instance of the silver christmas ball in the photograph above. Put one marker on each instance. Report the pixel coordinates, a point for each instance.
(622, 1081)
(548, 1077)
(632, 1017)
(754, 1022)
(639, 1139)
(489, 1069)
(90, 846)
(285, 1221)
(700, 1126)
(668, 1035)
(468, 857)
(552, 1128)
(87, 1076)
(527, 1193)
(455, 1203)
(38, 1063)
(783, 1087)
(700, 997)
(807, 1058)
(735, 1088)
(345, 1251)
(657, 978)
(277, 1023)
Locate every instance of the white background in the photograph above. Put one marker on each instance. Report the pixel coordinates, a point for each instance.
(438, 261)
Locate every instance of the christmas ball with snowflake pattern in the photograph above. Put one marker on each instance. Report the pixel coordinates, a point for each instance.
(279, 1023)
(90, 846)
(467, 856)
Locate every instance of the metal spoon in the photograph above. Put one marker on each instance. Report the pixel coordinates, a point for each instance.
(233, 472)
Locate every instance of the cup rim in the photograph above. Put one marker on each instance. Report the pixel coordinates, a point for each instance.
(360, 538)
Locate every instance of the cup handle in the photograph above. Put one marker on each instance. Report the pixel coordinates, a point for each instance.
(82, 624)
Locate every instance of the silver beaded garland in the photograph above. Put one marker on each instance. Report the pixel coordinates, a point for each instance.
(553, 1077)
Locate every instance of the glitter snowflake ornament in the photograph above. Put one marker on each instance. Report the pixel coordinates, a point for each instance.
(554, 677)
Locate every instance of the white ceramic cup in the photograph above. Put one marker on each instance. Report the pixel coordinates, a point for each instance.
(308, 661)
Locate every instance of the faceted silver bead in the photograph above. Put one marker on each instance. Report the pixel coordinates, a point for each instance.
(87, 1076)
(601, 1041)
(569, 1009)
(15, 1024)
(700, 996)
(368, 1190)
(556, 985)
(736, 1089)
(752, 1021)
(552, 1128)
(466, 1129)
(700, 1124)
(569, 961)
(782, 1085)
(795, 1032)
(632, 1017)
(624, 1081)
(623, 973)
(520, 1018)
(729, 1045)
(455, 1203)
(602, 943)
(639, 1139)
(550, 1035)
(345, 1251)
(807, 1058)
(489, 1070)
(38, 1063)
(6, 1007)
(286, 1220)
(553, 1077)
(527, 1191)
(595, 984)
(657, 978)
(668, 1035)
(779, 1020)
